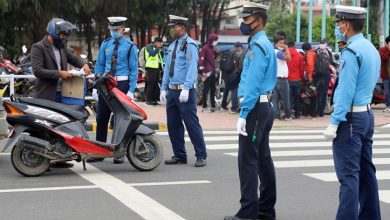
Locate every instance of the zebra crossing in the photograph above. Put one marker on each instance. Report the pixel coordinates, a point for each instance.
(305, 150)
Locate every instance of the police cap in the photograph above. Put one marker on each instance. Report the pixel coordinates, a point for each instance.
(116, 22)
(126, 31)
(349, 13)
(174, 20)
(250, 8)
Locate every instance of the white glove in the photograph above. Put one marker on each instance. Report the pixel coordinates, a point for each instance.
(95, 95)
(131, 95)
(184, 95)
(241, 126)
(163, 96)
(330, 132)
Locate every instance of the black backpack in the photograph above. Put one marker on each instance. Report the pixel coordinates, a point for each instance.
(322, 63)
(227, 64)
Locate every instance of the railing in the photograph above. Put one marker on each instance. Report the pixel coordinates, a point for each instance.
(13, 77)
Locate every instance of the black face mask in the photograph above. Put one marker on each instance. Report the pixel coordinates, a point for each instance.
(59, 43)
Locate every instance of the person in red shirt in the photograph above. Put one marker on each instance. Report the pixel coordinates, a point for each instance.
(295, 78)
(384, 52)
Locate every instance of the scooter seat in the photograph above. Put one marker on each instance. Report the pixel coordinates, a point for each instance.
(77, 112)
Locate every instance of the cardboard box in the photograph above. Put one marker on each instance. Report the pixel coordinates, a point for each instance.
(73, 87)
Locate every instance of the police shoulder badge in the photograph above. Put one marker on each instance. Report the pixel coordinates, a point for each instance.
(250, 54)
(189, 56)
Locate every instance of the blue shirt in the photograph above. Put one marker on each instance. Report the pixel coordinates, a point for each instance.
(186, 64)
(127, 61)
(258, 74)
(356, 85)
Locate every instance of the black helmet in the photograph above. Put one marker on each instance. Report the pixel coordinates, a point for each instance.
(310, 90)
(58, 26)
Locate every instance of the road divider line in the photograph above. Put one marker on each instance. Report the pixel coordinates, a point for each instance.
(135, 200)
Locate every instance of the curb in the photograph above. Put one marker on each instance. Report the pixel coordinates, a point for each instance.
(153, 125)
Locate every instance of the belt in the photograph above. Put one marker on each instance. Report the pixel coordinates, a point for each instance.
(263, 98)
(121, 78)
(279, 77)
(360, 108)
(178, 87)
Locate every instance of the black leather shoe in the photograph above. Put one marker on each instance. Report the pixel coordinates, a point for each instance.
(61, 165)
(200, 162)
(236, 218)
(118, 160)
(175, 160)
(94, 160)
(265, 216)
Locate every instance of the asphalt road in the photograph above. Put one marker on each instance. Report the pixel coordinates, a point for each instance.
(307, 188)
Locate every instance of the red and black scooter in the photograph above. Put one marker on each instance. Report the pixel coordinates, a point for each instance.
(46, 132)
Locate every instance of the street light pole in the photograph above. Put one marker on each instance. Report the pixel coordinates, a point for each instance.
(310, 21)
(386, 18)
(323, 23)
(336, 44)
(298, 33)
(368, 21)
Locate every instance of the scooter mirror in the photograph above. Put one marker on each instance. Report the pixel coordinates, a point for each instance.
(24, 49)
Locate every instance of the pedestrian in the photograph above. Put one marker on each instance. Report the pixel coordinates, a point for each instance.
(153, 66)
(179, 94)
(281, 92)
(341, 44)
(295, 78)
(207, 58)
(49, 58)
(117, 56)
(258, 78)
(385, 71)
(310, 60)
(351, 125)
(322, 77)
(232, 78)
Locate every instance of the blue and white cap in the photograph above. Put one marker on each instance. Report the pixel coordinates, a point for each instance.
(250, 8)
(174, 20)
(349, 13)
(116, 22)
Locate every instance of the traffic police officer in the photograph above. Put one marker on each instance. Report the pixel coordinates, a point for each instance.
(352, 122)
(178, 92)
(117, 56)
(154, 63)
(258, 78)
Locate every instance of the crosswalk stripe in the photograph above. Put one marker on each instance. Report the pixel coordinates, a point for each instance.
(331, 176)
(279, 137)
(295, 153)
(313, 131)
(384, 196)
(287, 145)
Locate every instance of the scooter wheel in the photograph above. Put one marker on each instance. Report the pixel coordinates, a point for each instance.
(27, 163)
(148, 155)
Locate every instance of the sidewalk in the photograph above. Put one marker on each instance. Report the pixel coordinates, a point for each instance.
(226, 121)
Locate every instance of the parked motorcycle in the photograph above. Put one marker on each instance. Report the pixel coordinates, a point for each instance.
(46, 132)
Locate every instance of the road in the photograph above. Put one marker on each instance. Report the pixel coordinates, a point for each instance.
(307, 185)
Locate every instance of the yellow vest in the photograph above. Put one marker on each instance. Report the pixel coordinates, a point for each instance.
(153, 61)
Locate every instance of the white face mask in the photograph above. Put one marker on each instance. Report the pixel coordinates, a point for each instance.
(215, 43)
(322, 46)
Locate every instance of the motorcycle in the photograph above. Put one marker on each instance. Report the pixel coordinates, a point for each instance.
(47, 132)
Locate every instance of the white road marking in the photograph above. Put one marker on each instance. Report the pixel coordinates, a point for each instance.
(386, 126)
(331, 176)
(164, 133)
(384, 196)
(95, 187)
(319, 163)
(294, 153)
(135, 200)
(288, 145)
(5, 154)
(279, 137)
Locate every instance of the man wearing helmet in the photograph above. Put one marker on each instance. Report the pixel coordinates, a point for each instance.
(49, 59)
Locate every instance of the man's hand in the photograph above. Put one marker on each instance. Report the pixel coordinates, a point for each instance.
(131, 95)
(163, 96)
(241, 126)
(184, 95)
(64, 74)
(330, 132)
(95, 95)
(86, 69)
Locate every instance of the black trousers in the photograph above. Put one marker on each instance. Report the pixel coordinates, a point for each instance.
(209, 85)
(104, 112)
(255, 162)
(152, 78)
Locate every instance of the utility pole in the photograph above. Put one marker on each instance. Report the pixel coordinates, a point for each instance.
(310, 21)
(336, 44)
(386, 18)
(298, 31)
(323, 21)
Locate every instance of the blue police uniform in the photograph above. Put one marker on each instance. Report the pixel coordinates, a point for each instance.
(126, 72)
(254, 157)
(184, 76)
(352, 146)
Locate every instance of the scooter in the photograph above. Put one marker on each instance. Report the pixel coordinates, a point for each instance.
(47, 132)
